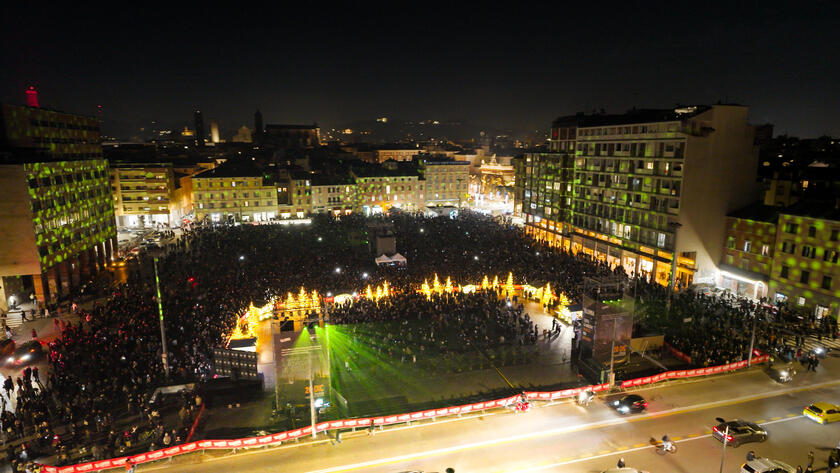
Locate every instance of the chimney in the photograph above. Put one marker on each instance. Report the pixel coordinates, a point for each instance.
(32, 97)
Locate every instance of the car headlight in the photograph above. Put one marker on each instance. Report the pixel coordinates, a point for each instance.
(784, 373)
(615, 403)
(10, 359)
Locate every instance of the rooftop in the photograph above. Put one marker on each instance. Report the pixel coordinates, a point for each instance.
(636, 115)
(813, 210)
(232, 169)
(757, 212)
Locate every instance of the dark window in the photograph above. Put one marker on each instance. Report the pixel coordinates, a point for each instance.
(826, 282)
(809, 251)
(812, 231)
(835, 233)
(784, 272)
(804, 277)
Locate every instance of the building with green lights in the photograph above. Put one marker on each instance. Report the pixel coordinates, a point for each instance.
(57, 214)
(805, 270)
(636, 188)
(787, 255)
(749, 250)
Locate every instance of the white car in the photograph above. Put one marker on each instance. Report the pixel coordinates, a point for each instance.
(766, 465)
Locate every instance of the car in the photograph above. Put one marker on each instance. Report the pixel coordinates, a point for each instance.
(766, 465)
(820, 351)
(629, 403)
(740, 432)
(782, 373)
(118, 262)
(822, 412)
(29, 352)
(134, 251)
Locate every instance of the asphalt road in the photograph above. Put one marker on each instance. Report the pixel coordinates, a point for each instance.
(563, 437)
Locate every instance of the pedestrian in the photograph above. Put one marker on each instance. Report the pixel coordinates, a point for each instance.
(621, 463)
(34, 334)
(799, 469)
(810, 459)
(129, 466)
(750, 455)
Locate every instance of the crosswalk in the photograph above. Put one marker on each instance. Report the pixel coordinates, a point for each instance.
(813, 342)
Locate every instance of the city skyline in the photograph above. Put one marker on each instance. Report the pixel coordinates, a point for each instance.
(516, 71)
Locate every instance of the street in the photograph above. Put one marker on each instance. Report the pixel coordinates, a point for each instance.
(565, 437)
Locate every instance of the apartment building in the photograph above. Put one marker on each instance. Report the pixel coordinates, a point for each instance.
(57, 214)
(238, 192)
(447, 181)
(647, 185)
(749, 250)
(805, 271)
(335, 195)
(394, 185)
(145, 194)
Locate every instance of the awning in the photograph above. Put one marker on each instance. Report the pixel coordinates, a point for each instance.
(742, 274)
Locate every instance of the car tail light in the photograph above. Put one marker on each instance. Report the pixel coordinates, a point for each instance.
(644, 403)
(728, 437)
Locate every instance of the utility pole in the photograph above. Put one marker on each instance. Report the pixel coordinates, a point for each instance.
(723, 455)
(311, 397)
(612, 355)
(752, 341)
(164, 354)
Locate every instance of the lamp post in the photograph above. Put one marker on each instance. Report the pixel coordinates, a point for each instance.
(752, 341)
(725, 437)
(164, 354)
(674, 227)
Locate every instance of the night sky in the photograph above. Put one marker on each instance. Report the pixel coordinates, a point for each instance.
(500, 68)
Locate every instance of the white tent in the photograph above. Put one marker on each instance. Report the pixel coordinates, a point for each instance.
(383, 260)
(398, 259)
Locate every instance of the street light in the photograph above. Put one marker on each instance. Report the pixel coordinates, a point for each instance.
(725, 437)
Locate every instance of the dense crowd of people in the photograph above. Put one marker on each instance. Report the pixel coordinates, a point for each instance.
(107, 364)
(447, 322)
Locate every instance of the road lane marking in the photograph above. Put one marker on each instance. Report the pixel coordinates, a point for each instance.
(605, 423)
(761, 421)
(792, 415)
(775, 418)
(593, 457)
(581, 427)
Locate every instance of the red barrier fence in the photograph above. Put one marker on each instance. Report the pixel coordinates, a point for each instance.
(677, 353)
(265, 440)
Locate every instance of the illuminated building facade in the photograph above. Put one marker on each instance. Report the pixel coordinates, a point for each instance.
(144, 194)
(233, 191)
(338, 196)
(57, 225)
(395, 153)
(394, 185)
(806, 267)
(59, 135)
(57, 213)
(447, 181)
(647, 184)
(749, 249)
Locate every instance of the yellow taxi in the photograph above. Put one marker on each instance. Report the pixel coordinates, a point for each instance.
(822, 412)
